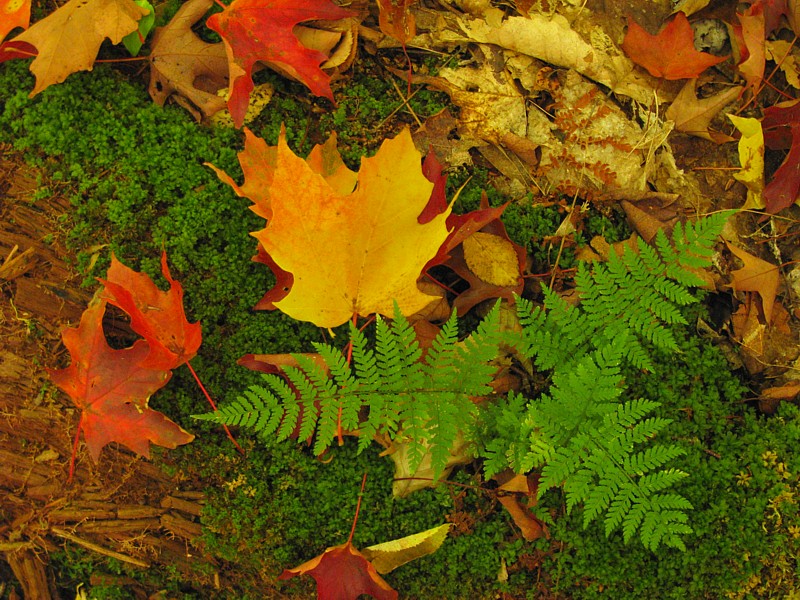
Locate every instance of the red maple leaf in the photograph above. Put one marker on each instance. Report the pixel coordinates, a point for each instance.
(155, 315)
(343, 573)
(112, 389)
(773, 11)
(784, 188)
(256, 31)
(781, 126)
(670, 54)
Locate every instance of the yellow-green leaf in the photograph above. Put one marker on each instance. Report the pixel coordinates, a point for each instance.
(388, 556)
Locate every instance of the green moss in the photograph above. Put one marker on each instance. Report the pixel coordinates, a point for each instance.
(280, 507)
(745, 517)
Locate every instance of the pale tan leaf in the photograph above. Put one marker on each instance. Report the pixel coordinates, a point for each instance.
(693, 116)
(756, 276)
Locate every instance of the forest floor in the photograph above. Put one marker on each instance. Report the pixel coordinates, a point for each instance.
(143, 514)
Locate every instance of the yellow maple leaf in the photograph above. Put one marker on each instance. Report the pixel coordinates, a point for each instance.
(353, 245)
(68, 39)
(751, 158)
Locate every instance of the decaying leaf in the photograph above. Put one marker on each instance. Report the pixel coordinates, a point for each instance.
(670, 54)
(594, 55)
(689, 7)
(396, 20)
(693, 116)
(785, 56)
(388, 556)
(407, 481)
(257, 32)
(183, 64)
(751, 159)
(69, 38)
(113, 388)
(341, 573)
(531, 527)
(770, 397)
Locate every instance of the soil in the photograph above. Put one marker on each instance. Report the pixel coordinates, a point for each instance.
(126, 508)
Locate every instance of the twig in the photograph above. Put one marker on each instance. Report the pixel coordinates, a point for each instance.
(97, 548)
(214, 406)
(358, 508)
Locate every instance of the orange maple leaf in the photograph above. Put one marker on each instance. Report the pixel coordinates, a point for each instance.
(752, 36)
(13, 14)
(256, 31)
(670, 54)
(348, 251)
(396, 20)
(69, 38)
(155, 315)
(112, 389)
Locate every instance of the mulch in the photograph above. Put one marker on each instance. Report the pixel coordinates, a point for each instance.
(123, 507)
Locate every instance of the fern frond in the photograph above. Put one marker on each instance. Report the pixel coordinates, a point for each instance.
(387, 390)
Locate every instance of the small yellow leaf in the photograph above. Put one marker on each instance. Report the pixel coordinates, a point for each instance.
(390, 555)
(751, 158)
(492, 259)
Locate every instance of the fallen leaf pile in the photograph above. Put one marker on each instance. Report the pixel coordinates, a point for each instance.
(254, 35)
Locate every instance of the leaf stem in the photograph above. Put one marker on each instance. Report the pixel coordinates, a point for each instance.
(358, 507)
(74, 453)
(213, 405)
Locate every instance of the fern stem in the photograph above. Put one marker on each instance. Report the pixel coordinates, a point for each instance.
(213, 405)
(339, 432)
(358, 507)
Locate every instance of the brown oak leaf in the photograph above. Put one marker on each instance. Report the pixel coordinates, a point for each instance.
(181, 63)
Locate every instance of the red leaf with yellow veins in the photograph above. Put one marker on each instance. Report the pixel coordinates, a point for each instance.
(112, 389)
(257, 31)
(349, 249)
(670, 54)
(155, 315)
